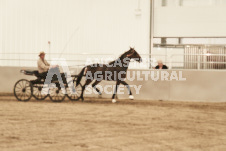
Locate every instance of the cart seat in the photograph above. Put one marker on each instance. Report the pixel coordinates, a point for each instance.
(31, 72)
(40, 77)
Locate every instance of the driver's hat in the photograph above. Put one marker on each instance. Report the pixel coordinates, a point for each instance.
(42, 53)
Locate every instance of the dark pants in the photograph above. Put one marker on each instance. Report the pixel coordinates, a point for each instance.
(52, 75)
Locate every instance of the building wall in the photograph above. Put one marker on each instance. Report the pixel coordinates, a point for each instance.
(72, 26)
(190, 18)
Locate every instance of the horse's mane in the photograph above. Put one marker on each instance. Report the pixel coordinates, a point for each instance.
(120, 57)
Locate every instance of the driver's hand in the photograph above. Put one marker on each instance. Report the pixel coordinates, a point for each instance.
(54, 66)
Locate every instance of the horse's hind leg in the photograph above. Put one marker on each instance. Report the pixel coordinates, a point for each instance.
(94, 86)
(129, 90)
(88, 81)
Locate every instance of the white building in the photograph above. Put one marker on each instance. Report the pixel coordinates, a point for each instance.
(103, 28)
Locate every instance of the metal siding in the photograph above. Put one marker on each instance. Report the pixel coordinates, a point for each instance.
(190, 21)
(73, 26)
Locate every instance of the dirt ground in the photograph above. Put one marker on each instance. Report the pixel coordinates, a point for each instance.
(99, 125)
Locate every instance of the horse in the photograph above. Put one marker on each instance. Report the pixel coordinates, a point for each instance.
(113, 71)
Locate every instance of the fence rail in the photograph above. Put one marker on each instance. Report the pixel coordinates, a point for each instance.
(193, 56)
(175, 57)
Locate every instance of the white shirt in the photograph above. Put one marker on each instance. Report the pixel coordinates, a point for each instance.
(43, 65)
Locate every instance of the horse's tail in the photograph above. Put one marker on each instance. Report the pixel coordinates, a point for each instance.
(80, 76)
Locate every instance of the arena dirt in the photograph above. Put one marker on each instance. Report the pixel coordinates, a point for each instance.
(99, 125)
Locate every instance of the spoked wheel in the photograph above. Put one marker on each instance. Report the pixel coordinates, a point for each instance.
(39, 92)
(74, 94)
(56, 94)
(23, 90)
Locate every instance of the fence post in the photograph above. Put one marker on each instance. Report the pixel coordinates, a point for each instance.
(198, 63)
(170, 61)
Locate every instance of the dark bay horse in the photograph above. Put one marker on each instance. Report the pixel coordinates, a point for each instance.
(114, 71)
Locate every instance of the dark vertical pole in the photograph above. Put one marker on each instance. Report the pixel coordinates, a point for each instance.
(163, 40)
(179, 40)
(151, 29)
(181, 3)
(164, 2)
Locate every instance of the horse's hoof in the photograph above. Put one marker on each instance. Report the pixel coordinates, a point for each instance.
(131, 97)
(100, 96)
(114, 101)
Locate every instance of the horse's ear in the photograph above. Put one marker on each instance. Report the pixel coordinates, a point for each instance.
(132, 48)
(132, 52)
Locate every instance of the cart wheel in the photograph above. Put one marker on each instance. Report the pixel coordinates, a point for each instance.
(23, 90)
(56, 94)
(37, 92)
(77, 94)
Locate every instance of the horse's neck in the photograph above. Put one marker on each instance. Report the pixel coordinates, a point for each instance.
(120, 63)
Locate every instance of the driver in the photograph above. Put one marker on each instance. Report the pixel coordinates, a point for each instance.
(43, 65)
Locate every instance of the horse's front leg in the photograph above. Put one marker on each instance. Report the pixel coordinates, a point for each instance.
(115, 92)
(94, 86)
(129, 90)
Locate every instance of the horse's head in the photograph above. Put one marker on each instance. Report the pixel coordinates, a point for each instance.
(132, 53)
